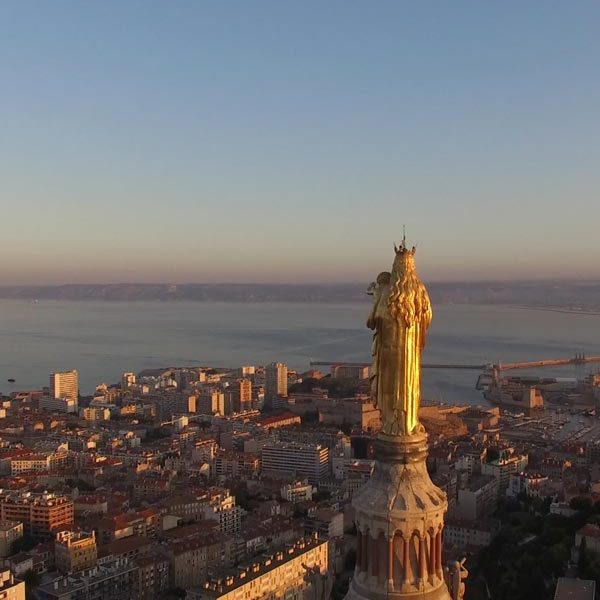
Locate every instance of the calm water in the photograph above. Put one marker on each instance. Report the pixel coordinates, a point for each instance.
(103, 339)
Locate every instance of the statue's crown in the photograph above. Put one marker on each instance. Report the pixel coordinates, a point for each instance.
(402, 249)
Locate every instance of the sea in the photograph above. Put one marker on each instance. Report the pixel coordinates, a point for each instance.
(103, 339)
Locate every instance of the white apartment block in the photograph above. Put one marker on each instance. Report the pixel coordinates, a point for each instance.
(304, 460)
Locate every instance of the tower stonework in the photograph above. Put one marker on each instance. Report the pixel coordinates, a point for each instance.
(399, 512)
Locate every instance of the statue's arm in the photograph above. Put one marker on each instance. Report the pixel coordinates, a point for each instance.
(372, 320)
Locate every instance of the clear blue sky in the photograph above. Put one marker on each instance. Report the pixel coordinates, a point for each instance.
(289, 141)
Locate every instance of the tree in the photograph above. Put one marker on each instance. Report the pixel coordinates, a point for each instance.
(23, 544)
(31, 578)
(582, 504)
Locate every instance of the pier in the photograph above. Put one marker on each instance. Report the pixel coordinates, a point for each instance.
(325, 363)
(578, 359)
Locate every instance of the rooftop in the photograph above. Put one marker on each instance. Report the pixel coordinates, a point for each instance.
(216, 586)
(575, 589)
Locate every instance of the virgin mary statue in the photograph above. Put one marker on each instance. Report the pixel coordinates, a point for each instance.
(400, 317)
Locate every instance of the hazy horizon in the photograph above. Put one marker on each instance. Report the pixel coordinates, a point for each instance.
(526, 281)
(278, 142)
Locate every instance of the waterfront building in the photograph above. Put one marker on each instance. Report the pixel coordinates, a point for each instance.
(41, 514)
(60, 405)
(281, 574)
(349, 372)
(305, 460)
(75, 551)
(65, 384)
(11, 588)
(127, 380)
(276, 380)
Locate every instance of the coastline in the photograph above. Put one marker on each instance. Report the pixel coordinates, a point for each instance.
(557, 309)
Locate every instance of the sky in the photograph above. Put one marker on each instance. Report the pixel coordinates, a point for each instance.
(259, 141)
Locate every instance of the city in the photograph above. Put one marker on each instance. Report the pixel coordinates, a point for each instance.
(222, 482)
(299, 300)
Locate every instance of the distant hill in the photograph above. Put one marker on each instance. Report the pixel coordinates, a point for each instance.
(565, 295)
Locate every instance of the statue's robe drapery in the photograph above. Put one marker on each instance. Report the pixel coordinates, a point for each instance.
(400, 317)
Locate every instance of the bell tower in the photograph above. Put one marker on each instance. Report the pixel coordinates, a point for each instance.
(399, 522)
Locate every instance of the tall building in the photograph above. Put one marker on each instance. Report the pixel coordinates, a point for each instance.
(65, 384)
(399, 512)
(276, 381)
(211, 403)
(303, 460)
(11, 588)
(245, 394)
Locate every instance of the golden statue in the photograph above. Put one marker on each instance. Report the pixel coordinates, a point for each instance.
(400, 317)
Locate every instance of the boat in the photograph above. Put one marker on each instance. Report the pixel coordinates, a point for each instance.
(11, 380)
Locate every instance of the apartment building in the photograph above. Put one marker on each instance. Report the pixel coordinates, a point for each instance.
(281, 574)
(462, 533)
(10, 532)
(58, 405)
(11, 588)
(276, 380)
(503, 467)
(75, 551)
(229, 463)
(65, 384)
(41, 514)
(114, 580)
(478, 498)
(192, 557)
(304, 460)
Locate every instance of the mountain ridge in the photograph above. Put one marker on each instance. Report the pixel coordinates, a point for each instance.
(569, 295)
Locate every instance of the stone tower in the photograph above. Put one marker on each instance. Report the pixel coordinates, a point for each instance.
(399, 513)
(399, 522)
